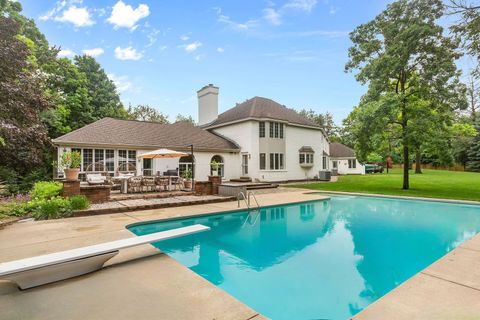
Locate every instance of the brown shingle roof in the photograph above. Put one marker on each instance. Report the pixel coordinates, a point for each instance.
(261, 108)
(109, 131)
(338, 150)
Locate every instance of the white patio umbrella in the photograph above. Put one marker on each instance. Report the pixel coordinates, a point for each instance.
(162, 153)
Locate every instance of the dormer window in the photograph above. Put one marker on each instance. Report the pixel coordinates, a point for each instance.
(306, 156)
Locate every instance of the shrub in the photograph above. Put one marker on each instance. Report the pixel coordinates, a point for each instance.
(78, 202)
(46, 190)
(52, 208)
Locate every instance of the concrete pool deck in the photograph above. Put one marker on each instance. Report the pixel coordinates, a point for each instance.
(146, 284)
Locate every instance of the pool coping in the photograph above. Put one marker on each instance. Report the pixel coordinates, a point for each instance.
(453, 201)
(206, 214)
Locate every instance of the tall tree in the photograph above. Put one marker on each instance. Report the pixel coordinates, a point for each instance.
(473, 94)
(405, 59)
(104, 99)
(474, 151)
(324, 120)
(22, 100)
(144, 112)
(181, 118)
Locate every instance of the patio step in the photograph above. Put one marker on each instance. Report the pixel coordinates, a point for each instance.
(241, 179)
(258, 186)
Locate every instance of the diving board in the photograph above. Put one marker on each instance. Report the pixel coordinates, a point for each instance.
(35, 271)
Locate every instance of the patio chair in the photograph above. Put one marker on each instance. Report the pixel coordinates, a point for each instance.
(96, 178)
(161, 183)
(176, 183)
(148, 184)
(134, 184)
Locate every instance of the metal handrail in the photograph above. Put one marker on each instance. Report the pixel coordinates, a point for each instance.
(244, 198)
(254, 198)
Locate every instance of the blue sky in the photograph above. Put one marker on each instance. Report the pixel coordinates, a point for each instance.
(161, 52)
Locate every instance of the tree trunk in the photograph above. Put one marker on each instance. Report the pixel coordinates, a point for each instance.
(406, 167)
(418, 161)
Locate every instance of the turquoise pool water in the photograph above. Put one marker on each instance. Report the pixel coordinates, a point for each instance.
(323, 259)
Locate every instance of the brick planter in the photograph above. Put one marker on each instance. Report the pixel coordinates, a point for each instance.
(215, 181)
(71, 188)
(203, 187)
(96, 194)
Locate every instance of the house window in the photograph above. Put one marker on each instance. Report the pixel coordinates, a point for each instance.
(185, 163)
(324, 163)
(261, 129)
(335, 164)
(281, 130)
(87, 160)
(305, 158)
(352, 163)
(80, 152)
(99, 156)
(276, 129)
(122, 160)
(109, 160)
(132, 157)
(271, 129)
(276, 161)
(263, 161)
(147, 167)
(127, 160)
(221, 169)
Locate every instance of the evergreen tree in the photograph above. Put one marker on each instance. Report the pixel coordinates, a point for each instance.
(104, 99)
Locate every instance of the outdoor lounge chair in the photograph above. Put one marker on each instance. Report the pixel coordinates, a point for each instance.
(35, 271)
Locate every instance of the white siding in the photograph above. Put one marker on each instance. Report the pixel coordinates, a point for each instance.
(342, 165)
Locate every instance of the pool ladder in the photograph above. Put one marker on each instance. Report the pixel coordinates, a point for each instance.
(247, 202)
(246, 198)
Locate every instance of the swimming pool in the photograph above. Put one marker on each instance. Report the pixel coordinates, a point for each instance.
(322, 259)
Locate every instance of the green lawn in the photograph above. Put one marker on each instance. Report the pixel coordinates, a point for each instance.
(430, 184)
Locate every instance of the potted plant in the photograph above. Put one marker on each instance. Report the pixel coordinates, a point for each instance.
(214, 165)
(70, 163)
(187, 175)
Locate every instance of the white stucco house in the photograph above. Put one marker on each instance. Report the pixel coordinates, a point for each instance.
(343, 160)
(258, 139)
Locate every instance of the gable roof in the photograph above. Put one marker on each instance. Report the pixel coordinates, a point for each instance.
(141, 134)
(261, 108)
(338, 150)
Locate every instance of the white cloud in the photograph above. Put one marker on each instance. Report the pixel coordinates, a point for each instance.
(191, 47)
(152, 37)
(127, 53)
(305, 5)
(239, 26)
(220, 50)
(184, 37)
(126, 16)
(79, 16)
(66, 53)
(121, 82)
(272, 16)
(94, 52)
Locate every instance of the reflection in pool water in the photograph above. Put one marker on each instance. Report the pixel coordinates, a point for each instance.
(322, 259)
